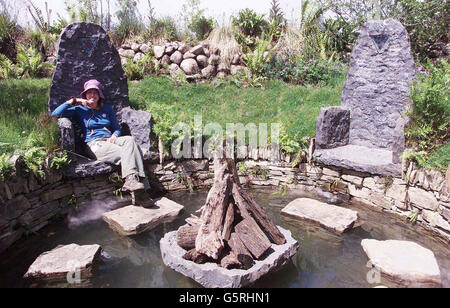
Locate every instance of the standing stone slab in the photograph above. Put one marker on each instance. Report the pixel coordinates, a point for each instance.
(132, 220)
(86, 52)
(333, 127)
(57, 263)
(212, 275)
(334, 218)
(404, 262)
(377, 87)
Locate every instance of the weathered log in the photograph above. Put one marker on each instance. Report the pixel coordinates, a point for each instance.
(230, 261)
(242, 253)
(228, 223)
(186, 236)
(196, 257)
(249, 208)
(193, 220)
(209, 240)
(252, 237)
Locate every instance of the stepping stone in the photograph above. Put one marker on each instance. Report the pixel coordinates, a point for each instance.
(56, 264)
(132, 220)
(331, 217)
(211, 275)
(404, 262)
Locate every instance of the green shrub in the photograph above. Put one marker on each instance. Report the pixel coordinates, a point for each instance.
(201, 26)
(34, 161)
(59, 160)
(249, 26)
(258, 58)
(140, 69)
(7, 68)
(9, 33)
(6, 168)
(164, 28)
(430, 114)
(277, 19)
(306, 72)
(31, 64)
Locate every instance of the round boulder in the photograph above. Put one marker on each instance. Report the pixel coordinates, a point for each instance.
(138, 57)
(128, 53)
(202, 61)
(214, 60)
(158, 51)
(165, 59)
(145, 48)
(189, 55)
(176, 57)
(209, 71)
(189, 66)
(135, 47)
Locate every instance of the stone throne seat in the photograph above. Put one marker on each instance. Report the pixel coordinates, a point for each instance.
(86, 52)
(366, 133)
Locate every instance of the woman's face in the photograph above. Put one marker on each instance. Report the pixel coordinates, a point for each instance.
(92, 97)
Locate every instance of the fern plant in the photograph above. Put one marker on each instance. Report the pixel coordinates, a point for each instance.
(6, 168)
(30, 63)
(7, 68)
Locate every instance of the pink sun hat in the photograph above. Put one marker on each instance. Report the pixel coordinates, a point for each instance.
(92, 84)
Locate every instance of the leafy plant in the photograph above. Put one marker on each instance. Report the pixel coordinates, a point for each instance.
(6, 168)
(34, 160)
(7, 68)
(277, 19)
(430, 114)
(257, 59)
(30, 63)
(201, 26)
(139, 69)
(60, 160)
(413, 215)
(249, 26)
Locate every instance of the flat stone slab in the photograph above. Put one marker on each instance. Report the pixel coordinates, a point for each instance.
(211, 275)
(360, 158)
(132, 220)
(57, 263)
(404, 262)
(331, 217)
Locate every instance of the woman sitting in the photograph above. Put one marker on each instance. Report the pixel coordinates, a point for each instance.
(103, 133)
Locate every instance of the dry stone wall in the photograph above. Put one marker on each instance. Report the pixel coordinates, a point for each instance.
(197, 62)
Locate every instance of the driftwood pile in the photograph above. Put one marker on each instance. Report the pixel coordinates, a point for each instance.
(233, 229)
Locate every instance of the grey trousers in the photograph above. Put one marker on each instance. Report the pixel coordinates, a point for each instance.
(124, 151)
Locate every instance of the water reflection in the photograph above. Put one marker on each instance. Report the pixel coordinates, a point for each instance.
(324, 259)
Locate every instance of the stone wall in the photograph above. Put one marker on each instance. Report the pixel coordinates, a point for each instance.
(197, 62)
(27, 204)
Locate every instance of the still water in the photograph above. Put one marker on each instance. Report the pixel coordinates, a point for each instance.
(323, 260)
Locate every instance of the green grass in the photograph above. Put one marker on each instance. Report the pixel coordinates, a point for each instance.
(440, 159)
(295, 107)
(23, 107)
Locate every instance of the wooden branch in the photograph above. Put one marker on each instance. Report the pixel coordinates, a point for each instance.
(186, 236)
(252, 237)
(209, 239)
(238, 248)
(228, 222)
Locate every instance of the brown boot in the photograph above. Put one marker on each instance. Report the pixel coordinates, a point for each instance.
(132, 183)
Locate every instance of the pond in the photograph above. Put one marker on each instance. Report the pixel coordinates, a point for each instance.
(323, 259)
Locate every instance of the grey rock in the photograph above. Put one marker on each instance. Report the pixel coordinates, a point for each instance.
(132, 220)
(158, 51)
(183, 48)
(331, 217)
(137, 123)
(136, 47)
(223, 67)
(189, 55)
(60, 262)
(211, 275)
(207, 52)
(422, 199)
(214, 60)
(138, 57)
(145, 48)
(194, 165)
(176, 57)
(14, 207)
(404, 262)
(126, 46)
(377, 87)
(174, 69)
(190, 67)
(435, 220)
(359, 158)
(193, 78)
(235, 69)
(126, 53)
(332, 127)
(170, 49)
(197, 50)
(202, 61)
(165, 60)
(85, 52)
(222, 74)
(209, 71)
(51, 59)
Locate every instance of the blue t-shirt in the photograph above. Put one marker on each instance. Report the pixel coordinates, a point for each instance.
(100, 123)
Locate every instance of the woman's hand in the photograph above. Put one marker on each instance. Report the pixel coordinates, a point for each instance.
(112, 139)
